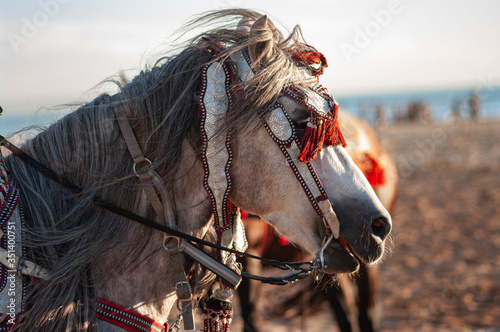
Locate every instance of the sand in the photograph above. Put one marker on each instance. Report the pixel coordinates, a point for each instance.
(444, 272)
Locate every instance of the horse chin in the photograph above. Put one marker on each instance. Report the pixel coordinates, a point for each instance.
(366, 254)
(338, 259)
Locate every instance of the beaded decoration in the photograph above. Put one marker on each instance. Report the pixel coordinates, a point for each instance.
(126, 318)
(218, 313)
(12, 220)
(214, 102)
(323, 126)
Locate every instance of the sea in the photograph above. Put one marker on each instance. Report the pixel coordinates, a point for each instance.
(440, 104)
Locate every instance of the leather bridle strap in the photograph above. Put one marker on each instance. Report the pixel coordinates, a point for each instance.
(303, 269)
(150, 180)
(146, 176)
(229, 276)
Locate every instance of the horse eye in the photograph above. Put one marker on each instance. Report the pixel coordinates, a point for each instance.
(300, 128)
(300, 124)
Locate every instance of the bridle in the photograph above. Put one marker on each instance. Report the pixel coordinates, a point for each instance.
(305, 268)
(322, 129)
(300, 270)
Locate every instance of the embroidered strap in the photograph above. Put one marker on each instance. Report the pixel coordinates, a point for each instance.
(280, 127)
(126, 318)
(21, 265)
(214, 102)
(323, 108)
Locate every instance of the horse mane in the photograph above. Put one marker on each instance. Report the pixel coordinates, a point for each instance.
(66, 233)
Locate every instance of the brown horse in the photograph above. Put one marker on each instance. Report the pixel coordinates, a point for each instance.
(380, 170)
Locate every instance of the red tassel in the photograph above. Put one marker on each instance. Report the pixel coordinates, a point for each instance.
(319, 138)
(333, 135)
(323, 132)
(313, 139)
(307, 55)
(307, 145)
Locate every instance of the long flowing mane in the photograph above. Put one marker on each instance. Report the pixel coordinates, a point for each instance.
(67, 234)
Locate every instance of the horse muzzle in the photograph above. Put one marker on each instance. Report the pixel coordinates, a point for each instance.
(345, 256)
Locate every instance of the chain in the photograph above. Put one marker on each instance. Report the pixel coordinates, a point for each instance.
(301, 271)
(177, 324)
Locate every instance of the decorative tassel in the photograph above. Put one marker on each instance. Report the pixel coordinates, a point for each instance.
(319, 132)
(218, 312)
(319, 137)
(333, 134)
(307, 55)
(307, 144)
(313, 139)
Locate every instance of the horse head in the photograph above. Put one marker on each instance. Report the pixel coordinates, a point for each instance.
(266, 184)
(249, 103)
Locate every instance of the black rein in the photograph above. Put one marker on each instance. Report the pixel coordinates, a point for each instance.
(302, 269)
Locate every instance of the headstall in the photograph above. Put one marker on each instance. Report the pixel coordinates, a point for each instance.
(322, 129)
(215, 101)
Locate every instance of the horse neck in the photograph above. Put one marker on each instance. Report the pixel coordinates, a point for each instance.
(90, 152)
(148, 285)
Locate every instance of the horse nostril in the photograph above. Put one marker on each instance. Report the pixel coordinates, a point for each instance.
(380, 227)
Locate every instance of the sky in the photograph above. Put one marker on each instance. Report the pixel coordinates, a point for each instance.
(56, 51)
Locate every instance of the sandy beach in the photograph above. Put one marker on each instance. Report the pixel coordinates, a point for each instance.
(444, 272)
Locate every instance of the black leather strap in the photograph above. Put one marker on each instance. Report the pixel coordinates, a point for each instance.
(303, 269)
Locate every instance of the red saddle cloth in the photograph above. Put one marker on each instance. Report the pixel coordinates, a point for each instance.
(363, 147)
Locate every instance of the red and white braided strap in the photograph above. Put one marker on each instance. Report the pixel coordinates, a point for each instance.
(126, 318)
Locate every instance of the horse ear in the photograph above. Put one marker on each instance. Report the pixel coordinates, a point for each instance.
(261, 41)
(244, 25)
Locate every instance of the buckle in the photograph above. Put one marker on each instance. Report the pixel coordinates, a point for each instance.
(171, 249)
(183, 290)
(185, 304)
(148, 167)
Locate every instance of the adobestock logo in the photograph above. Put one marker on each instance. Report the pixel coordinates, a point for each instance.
(486, 86)
(31, 27)
(371, 30)
(423, 150)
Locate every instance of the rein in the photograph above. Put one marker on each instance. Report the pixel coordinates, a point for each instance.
(302, 269)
